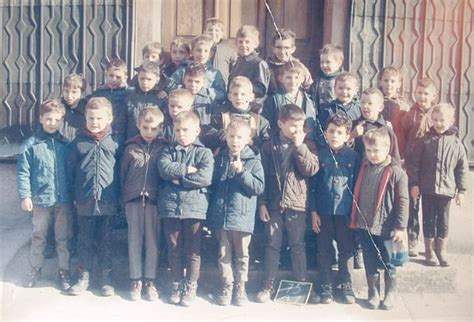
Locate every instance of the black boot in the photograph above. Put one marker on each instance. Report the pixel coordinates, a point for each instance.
(106, 288)
(373, 282)
(32, 277)
(347, 294)
(390, 290)
(64, 280)
(81, 285)
(326, 293)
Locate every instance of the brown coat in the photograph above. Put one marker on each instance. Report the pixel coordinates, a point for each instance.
(287, 190)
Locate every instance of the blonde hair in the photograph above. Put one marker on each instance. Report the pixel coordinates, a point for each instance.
(150, 114)
(213, 21)
(75, 81)
(153, 47)
(52, 105)
(248, 31)
(390, 71)
(187, 116)
(373, 91)
(182, 93)
(181, 42)
(332, 50)
(117, 63)
(99, 103)
(345, 76)
(444, 108)
(378, 136)
(202, 39)
(240, 81)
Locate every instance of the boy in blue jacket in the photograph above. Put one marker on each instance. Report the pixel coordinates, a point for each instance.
(238, 180)
(92, 175)
(186, 170)
(43, 189)
(331, 205)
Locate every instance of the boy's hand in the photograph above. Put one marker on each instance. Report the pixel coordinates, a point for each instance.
(398, 235)
(236, 165)
(27, 204)
(263, 213)
(415, 192)
(315, 222)
(358, 130)
(162, 94)
(191, 170)
(459, 198)
(298, 139)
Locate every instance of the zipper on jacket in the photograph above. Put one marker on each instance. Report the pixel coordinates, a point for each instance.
(56, 172)
(145, 193)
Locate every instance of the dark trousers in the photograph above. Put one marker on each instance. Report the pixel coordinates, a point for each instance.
(335, 228)
(143, 232)
(413, 227)
(295, 224)
(183, 237)
(372, 261)
(95, 239)
(59, 217)
(435, 216)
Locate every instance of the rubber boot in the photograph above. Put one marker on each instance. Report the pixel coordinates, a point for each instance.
(429, 261)
(390, 290)
(373, 282)
(440, 250)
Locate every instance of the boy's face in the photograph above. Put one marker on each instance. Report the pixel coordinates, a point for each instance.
(72, 95)
(377, 153)
(291, 81)
(371, 106)
(283, 49)
(177, 105)
(390, 85)
(246, 45)
(116, 78)
(345, 90)
(291, 128)
(442, 121)
(425, 96)
(178, 54)
(237, 139)
(98, 120)
(240, 97)
(147, 81)
(193, 83)
(149, 130)
(151, 56)
(337, 136)
(329, 64)
(186, 132)
(51, 121)
(201, 53)
(215, 32)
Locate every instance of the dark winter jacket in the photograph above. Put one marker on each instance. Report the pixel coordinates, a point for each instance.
(41, 170)
(391, 201)
(275, 85)
(207, 136)
(410, 131)
(322, 90)
(287, 190)
(332, 187)
(204, 104)
(139, 171)
(234, 196)
(74, 119)
(393, 111)
(182, 195)
(223, 58)
(438, 164)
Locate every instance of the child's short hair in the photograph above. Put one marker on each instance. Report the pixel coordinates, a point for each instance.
(153, 47)
(240, 81)
(150, 114)
(117, 63)
(195, 70)
(181, 42)
(149, 67)
(187, 116)
(52, 105)
(202, 39)
(292, 67)
(248, 31)
(444, 108)
(75, 81)
(378, 136)
(213, 21)
(390, 71)
(284, 35)
(373, 91)
(346, 76)
(425, 83)
(291, 112)
(181, 93)
(332, 50)
(238, 124)
(98, 103)
(340, 119)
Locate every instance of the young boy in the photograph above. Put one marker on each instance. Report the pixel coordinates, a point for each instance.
(331, 205)
(291, 78)
(250, 65)
(186, 170)
(345, 87)
(438, 184)
(380, 213)
(289, 161)
(371, 106)
(144, 95)
(139, 181)
(414, 125)
(330, 66)
(223, 53)
(283, 48)
(179, 52)
(240, 97)
(43, 189)
(116, 90)
(73, 90)
(152, 52)
(94, 181)
(200, 52)
(238, 179)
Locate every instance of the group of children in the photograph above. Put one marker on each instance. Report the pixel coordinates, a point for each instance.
(219, 137)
